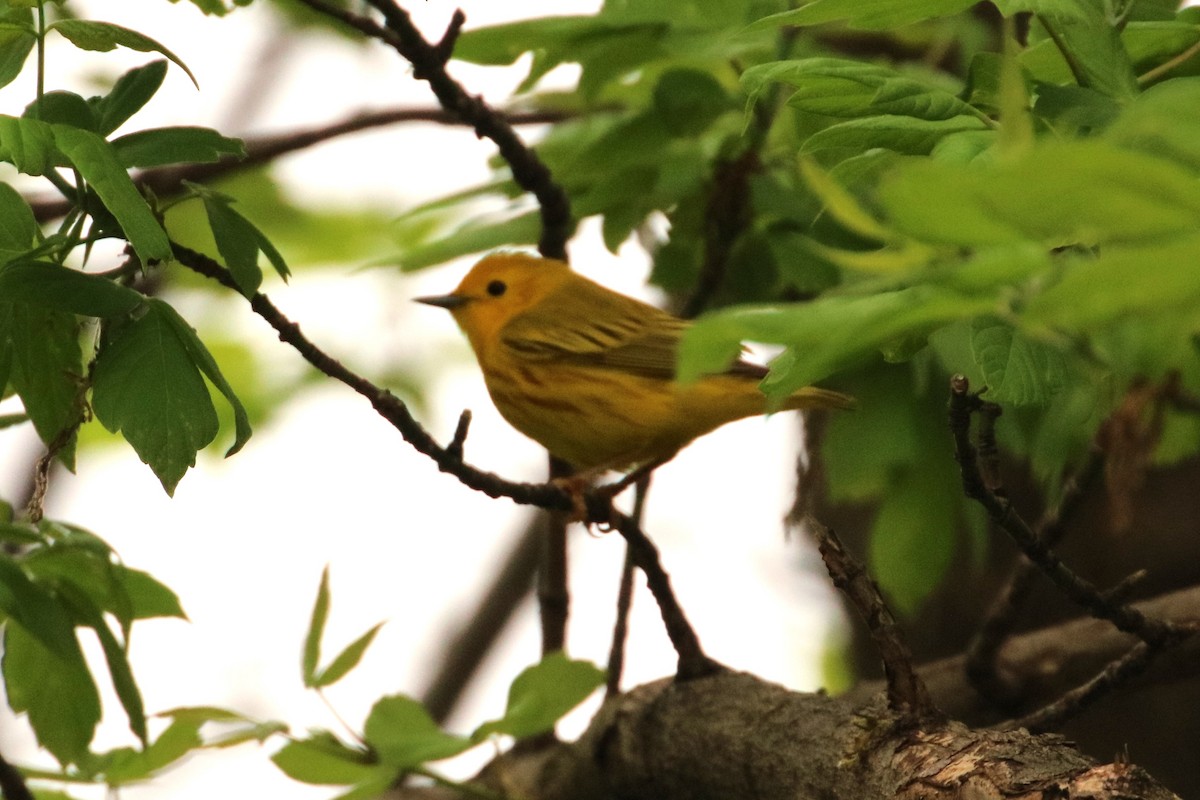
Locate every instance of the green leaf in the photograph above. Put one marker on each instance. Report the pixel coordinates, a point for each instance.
(28, 144)
(347, 659)
(841, 204)
(912, 537)
(128, 95)
(59, 288)
(122, 677)
(311, 658)
(16, 42)
(18, 229)
(823, 336)
(127, 766)
(208, 365)
(542, 694)
(148, 598)
(58, 694)
(404, 735)
(147, 386)
(1153, 124)
(864, 14)
(105, 36)
(473, 237)
(45, 368)
(97, 162)
(1081, 192)
(323, 760)
(1017, 369)
(158, 147)
(901, 134)
(1094, 292)
(841, 87)
(1093, 49)
(65, 108)
(37, 611)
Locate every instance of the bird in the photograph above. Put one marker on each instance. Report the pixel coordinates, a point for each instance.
(589, 373)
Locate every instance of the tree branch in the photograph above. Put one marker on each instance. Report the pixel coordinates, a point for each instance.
(597, 503)
(429, 64)
(906, 692)
(260, 150)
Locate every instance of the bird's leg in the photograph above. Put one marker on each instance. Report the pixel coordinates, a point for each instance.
(611, 490)
(575, 485)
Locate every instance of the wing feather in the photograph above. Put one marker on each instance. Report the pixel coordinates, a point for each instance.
(587, 324)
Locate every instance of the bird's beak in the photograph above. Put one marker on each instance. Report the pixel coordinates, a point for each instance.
(446, 301)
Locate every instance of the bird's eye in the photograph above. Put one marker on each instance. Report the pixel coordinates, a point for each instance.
(497, 288)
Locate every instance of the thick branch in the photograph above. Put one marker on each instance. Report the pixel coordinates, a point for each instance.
(734, 735)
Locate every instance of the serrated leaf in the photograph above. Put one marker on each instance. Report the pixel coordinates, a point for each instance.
(1018, 370)
(311, 656)
(97, 162)
(58, 288)
(901, 134)
(146, 385)
(128, 95)
(865, 14)
(347, 659)
(542, 694)
(404, 735)
(846, 88)
(105, 36)
(156, 147)
(324, 761)
(58, 695)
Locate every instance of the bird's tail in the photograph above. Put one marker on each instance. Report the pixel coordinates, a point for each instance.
(816, 397)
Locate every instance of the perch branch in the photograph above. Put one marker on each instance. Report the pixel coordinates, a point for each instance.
(598, 506)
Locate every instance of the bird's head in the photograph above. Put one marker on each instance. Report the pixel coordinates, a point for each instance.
(497, 289)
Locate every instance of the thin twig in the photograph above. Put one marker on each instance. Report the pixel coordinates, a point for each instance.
(429, 64)
(616, 650)
(1070, 704)
(260, 150)
(597, 505)
(907, 695)
(1126, 618)
(1002, 616)
(553, 591)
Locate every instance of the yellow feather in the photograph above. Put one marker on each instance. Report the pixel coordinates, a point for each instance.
(590, 373)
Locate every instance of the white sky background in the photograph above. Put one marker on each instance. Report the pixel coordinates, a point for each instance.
(243, 541)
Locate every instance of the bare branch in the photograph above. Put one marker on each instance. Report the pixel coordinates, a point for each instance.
(906, 692)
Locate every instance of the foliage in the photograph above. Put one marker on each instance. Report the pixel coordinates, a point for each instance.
(1020, 209)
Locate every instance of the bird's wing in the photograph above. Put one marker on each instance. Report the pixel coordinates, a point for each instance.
(593, 326)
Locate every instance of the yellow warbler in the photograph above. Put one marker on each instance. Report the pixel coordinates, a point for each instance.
(589, 373)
